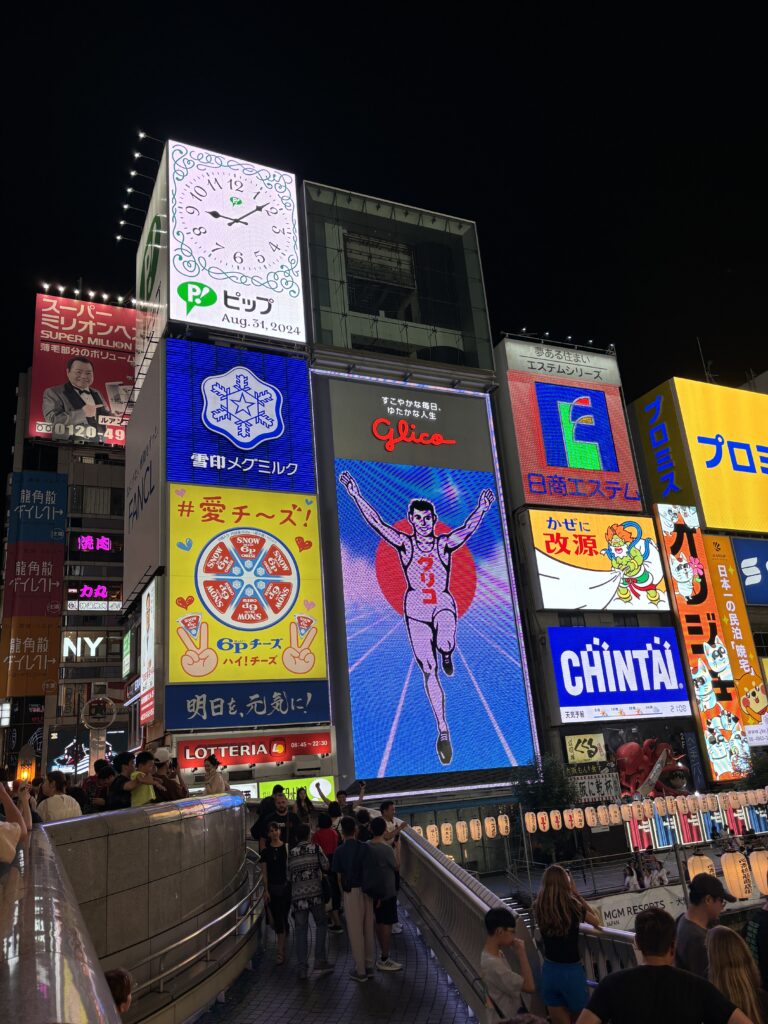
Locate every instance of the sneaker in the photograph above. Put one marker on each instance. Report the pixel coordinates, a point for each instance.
(303, 974)
(324, 968)
(358, 977)
(444, 748)
(448, 664)
(396, 929)
(389, 965)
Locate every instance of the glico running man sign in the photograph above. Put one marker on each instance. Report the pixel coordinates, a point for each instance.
(436, 671)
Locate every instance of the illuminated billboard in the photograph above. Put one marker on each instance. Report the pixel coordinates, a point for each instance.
(594, 561)
(245, 607)
(437, 681)
(709, 664)
(617, 673)
(737, 639)
(29, 655)
(572, 444)
(147, 654)
(235, 260)
(238, 418)
(82, 370)
(251, 749)
(751, 555)
(725, 430)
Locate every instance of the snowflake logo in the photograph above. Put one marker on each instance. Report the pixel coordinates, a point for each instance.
(242, 407)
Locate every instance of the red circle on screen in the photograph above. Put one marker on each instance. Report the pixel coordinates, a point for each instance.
(389, 572)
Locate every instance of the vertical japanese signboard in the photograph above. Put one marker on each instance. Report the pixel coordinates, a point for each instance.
(709, 662)
(437, 680)
(737, 640)
(152, 273)
(82, 370)
(147, 655)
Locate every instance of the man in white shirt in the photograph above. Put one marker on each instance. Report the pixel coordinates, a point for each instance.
(57, 806)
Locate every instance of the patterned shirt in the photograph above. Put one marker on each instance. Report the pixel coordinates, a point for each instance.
(306, 864)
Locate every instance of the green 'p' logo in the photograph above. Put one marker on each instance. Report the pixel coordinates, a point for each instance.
(193, 293)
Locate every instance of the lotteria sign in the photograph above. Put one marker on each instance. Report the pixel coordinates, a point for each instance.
(618, 673)
(252, 749)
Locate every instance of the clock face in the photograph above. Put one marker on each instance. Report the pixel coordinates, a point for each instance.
(237, 221)
(234, 245)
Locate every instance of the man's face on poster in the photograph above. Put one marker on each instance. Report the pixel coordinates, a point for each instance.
(423, 521)
(80, 374)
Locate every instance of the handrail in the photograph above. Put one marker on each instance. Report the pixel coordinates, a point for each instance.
(204, 952)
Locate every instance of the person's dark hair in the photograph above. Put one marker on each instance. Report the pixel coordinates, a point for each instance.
(654, 931)
(78, 793)
(120, 985)
(421, 505)
(324, 821)
(385, 805)
(105, 772)
(145, 757)
(122, 759)
(212, 759)
(302, 832)
(38, 780)
(99, 764)
(378, 827)
(59, 780)
(348, 827)
(275, 789)
(499, 917)
(341, 792)
(78, 359)
(362, 816)
(334, 809)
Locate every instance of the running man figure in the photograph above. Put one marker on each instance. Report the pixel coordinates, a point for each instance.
(429, 606)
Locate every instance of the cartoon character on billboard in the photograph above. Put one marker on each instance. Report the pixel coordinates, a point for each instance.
(727, 753)
(628, 554)
(429, 607)
(753, 699)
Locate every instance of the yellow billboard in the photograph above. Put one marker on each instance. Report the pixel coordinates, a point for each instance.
(245, 597)
(726, 431)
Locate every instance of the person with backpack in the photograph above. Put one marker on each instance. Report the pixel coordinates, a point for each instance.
(307, 866)
(380, 885)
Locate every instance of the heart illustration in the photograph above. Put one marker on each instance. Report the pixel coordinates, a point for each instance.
(309, 501)
(303, 545)
(309, 605)
(184, 545)
(185, 602)
(180, 492)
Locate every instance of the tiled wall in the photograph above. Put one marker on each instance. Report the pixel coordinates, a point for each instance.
(149, 876)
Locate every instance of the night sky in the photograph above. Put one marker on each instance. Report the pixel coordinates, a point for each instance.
(617, 198)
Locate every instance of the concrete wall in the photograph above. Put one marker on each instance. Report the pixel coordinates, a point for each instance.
(148, 876)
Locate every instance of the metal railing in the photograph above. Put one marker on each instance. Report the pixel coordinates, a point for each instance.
(255, 908)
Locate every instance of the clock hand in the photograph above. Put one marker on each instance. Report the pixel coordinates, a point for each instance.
(245, 216)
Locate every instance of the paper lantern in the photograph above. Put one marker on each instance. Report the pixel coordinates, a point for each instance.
(638, 811)
(462, 831)
(694, 804)
(660, 804)
(530, 821)
(542, 820)
(614, 814)
(698, 864)
(504, 824)
(446, 833)
(602, 814)
(433, 836)
(671, 805)
(734, 799)
(626, 812)
(590, 816)
(736, 875)
(419, 830)
(681, 804)
(578, 817)
(713, 806)
(556, 820)
(647, 806)
(758, 861)
(569, 817)
(490, 827)
(475, 829)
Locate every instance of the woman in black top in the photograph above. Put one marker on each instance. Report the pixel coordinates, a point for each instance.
(304, 807)
(559, 911)
(277, 893)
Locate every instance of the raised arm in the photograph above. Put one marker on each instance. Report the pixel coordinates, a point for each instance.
(462, 533)
(370, 515)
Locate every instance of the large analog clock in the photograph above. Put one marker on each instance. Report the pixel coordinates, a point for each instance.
(233, 221)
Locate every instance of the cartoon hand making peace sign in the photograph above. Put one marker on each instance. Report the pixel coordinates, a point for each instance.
(197, 661)
(297, 657)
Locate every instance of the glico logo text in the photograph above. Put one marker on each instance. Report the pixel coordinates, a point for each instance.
(405, 432)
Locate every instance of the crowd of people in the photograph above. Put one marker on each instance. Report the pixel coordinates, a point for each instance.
(694, 970)
(644, 871)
